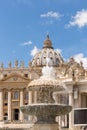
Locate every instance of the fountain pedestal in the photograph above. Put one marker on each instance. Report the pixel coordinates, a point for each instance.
(45, 127)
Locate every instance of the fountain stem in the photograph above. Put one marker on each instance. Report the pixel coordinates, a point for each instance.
(45, 95)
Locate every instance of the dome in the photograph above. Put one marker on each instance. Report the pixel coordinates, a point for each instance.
(47, 52)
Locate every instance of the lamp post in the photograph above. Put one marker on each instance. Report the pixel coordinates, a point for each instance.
(75, 92)
(75, 85)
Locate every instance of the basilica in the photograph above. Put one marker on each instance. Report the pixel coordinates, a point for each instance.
(15, 79)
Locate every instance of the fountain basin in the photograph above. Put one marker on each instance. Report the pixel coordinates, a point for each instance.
(46, 113)
(48, 83)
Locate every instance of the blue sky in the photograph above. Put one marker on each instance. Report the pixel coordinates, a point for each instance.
(25, 23)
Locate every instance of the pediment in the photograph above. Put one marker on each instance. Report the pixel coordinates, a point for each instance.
(15, 78)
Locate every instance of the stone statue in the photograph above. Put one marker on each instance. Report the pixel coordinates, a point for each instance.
(9, 64)
(22, 64)
(1, 65)
(16, 63)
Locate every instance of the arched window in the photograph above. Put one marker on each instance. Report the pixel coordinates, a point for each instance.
(16, 95)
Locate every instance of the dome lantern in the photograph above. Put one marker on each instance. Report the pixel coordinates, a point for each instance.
(47, 42)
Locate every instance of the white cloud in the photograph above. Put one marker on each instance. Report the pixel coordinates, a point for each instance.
(80, 57)
(58, 50)
(34, 51)
(26, 43)
(51, 14)
(80, 19)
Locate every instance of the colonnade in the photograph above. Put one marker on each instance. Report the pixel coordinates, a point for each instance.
(32, 98)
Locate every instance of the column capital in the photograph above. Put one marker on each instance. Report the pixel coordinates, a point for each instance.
(9, 90)
(21, 90)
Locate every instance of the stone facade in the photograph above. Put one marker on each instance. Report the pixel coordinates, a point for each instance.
(14, 80)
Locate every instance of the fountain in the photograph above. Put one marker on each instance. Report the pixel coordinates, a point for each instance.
(46, 109)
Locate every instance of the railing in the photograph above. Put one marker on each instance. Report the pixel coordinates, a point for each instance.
(19, 122)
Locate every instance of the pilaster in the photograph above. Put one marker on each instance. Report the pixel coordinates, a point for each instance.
(30, 102)
(71, 100)
(9, 105)
(1, 105)
(35, 97)
(21, 104)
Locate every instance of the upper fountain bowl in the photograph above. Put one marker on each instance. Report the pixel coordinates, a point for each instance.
(48, 83)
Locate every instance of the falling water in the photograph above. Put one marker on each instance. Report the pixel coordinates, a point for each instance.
(48, 71)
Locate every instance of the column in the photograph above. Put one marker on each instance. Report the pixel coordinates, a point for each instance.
(1, 105)
(35, 97)
(65, 120)
(79, 105)
(35, 101)
(71, 113)
(77, 102)
(30, 102)
(9, 105)
(30, 97)
(60, 122)
(21, 104)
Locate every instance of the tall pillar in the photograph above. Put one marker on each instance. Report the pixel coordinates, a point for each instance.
(60, 122)
(9, 105)
(1, 105)
(30, 100)
(30, 97)
(35, 97)
(71, 113)
(35, 101)
(79, 105)
(65, 120)
(77, 102)
(21, 104)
